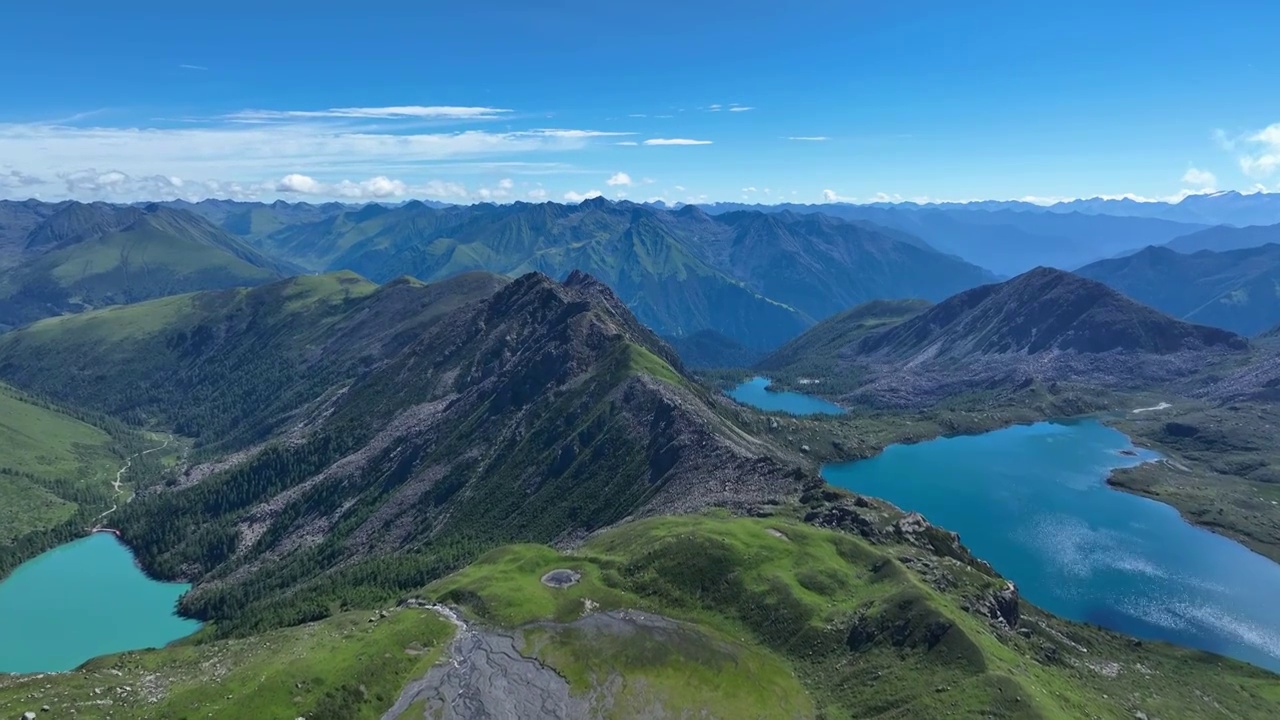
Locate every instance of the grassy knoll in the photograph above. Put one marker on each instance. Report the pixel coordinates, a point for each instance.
(344, 668)
(863, 634)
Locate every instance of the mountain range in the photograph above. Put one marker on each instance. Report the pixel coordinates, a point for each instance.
(757, 278)
(355, 445)
(373, 422)
(1006, 241)
(1215, 208)
(1223, 238)
(1237, 289)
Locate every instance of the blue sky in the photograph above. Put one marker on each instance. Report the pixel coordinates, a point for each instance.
(684, 101)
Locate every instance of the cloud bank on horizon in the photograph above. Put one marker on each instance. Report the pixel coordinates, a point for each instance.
(405, 151)
(448, 153)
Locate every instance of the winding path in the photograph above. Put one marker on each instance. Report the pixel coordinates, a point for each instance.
(117, 484)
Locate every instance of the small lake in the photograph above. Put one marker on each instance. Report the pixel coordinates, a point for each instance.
(1032, 500)
(755, 393)
(81, 600)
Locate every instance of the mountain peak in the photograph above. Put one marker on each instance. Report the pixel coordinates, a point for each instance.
(599, 202)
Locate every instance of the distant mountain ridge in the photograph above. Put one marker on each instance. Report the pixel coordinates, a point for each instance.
(756, 278)
(84, 256)
(1223, 238)
(1006, 240)
(1044, 326)
(1238, 290)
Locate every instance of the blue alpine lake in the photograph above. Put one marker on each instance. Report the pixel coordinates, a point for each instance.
(755, 393)
(81, 600)
(1033, 501)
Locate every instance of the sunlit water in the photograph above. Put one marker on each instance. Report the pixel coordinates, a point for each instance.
(81, 600)
(754, 392)
(1032, 500)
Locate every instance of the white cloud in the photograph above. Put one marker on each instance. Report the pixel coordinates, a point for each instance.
(1262, 158)
(395, 112)
(185, 66)
(252, 158)
(714, 108)
(375, 188)
(749, 189)
(740, 108)
(832, 196)
(573, 196)
(1200, 178)
(646, 181)
(809, 138)
(679, 188)
(676, 141)
(506, 183)
(619, 178)
(538, 194)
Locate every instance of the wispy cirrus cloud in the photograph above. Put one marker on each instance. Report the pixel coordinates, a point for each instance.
(393, 112)
(231, 157)
(1262, 152)
(676, 141)
(186, 66)
(808, 138)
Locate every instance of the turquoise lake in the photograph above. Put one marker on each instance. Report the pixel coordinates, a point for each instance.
(1032, 500)
(81, 600)
(754, 392)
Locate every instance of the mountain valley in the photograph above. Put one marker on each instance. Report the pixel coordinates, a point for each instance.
(395, 469)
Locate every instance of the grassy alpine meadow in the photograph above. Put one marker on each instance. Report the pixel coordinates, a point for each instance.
(863, 634)
(348, 667)
(50, 464)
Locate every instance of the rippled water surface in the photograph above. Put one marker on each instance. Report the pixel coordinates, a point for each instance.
(1032, 500)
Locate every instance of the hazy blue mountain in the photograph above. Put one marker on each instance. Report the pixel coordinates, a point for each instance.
(1004, 240)
(756, 278)
(1223, 238)
(1238, 290)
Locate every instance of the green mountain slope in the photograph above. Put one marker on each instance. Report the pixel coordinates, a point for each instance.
(390, 433)
(710, 349)
(1238, 290)
(757, 279)
(56, 472)
(1045, 327)
(819, 347)
(703, 616)
(90, 256)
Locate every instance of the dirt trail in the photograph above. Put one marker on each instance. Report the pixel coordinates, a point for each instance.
(117, 484)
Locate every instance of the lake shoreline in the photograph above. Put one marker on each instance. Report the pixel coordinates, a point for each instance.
(121, 608)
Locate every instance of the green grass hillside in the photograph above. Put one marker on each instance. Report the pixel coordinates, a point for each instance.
(163, 252)
(344, 668)
(868, 631)
(50, 463)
